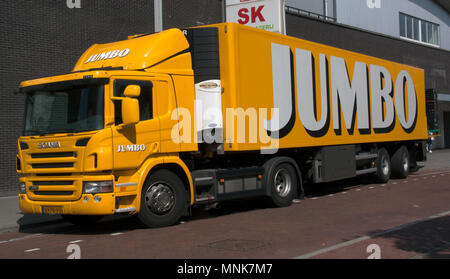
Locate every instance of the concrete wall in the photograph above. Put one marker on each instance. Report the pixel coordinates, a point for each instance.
(385, 19)
(315, 6)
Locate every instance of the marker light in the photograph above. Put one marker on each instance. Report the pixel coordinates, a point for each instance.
(22, 188)
(208, 85)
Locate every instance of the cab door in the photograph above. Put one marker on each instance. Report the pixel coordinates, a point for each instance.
(133, 143)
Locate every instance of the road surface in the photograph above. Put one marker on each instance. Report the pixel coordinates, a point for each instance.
(355, 219)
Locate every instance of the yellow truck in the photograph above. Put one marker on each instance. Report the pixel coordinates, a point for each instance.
(159, 123)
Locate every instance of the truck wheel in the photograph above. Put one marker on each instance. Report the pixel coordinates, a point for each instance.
(283, 182)
(383, 166)
(163, 200)
(82, 220)
(400, 162)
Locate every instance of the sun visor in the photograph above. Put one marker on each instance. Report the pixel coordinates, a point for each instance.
(134, 54)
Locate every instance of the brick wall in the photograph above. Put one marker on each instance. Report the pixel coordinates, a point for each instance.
(45, 37)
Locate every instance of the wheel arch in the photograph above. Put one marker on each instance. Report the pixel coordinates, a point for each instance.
(174, 164)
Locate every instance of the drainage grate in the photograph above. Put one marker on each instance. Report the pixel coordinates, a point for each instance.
(237, 244)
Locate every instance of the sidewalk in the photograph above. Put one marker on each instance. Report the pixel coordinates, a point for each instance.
(11, 218)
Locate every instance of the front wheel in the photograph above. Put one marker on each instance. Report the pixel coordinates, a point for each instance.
(163, 200)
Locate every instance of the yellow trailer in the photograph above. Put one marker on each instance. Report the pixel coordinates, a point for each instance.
(158, 123)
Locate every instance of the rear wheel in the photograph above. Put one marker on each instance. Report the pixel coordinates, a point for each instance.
(383, 164)
(163, 199)
(401, 162)
(283, 183)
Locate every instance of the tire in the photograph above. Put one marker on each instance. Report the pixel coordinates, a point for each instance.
(401, 163)
(282, 180)
(383, 164)
(82, 220)
(163, 200)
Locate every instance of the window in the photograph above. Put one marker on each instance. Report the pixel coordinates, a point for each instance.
(145, 99)
(66, 109)
(419, 30)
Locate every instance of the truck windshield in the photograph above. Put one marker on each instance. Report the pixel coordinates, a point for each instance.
(65, 110)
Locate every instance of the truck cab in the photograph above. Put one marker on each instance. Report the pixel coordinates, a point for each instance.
(92, 136)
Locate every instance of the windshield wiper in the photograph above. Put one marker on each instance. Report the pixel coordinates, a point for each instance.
(63, 130)
(34, 132)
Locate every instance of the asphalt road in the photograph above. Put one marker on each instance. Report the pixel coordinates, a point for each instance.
(405, 219)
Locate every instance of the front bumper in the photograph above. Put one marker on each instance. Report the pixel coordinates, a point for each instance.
(86, 205)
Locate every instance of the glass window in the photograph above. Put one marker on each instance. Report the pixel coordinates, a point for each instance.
(416, 32)
(67, 109)
(409, 27)
(402, 25)
(145, 99)
(419, 30)
(424, 31)
(435, 34)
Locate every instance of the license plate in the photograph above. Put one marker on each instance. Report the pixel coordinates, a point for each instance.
(52, 209)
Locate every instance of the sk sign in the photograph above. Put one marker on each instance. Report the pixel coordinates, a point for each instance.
(263, 14)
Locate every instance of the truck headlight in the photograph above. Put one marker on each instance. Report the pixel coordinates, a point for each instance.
(95, 187)
(22, 188)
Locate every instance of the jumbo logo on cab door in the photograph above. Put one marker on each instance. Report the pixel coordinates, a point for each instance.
(130, 148)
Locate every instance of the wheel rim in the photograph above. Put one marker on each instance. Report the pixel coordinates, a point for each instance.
(385, 165)
(160, 198)
(283, 182)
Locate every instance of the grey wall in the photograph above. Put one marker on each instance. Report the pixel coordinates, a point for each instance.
(385, 20)
(45, 37)
(315, 6)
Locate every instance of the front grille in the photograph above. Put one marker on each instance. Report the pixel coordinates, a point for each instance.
(53, 193)
(52, 165)
(53, 155)
(53, 174)
(50, 183)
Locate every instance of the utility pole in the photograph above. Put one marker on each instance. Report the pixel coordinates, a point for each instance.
(158, 15)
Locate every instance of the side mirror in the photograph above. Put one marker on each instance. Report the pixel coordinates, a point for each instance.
(132, 91)
(130, 105)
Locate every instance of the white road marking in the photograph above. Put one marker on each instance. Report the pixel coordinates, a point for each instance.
(117, 233)
(405, 181)
(366, 237)
(32, 250)
(24, 237)
(76, 241)
(371, 187)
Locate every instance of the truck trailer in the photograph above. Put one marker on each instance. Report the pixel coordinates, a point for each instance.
(159, 123)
